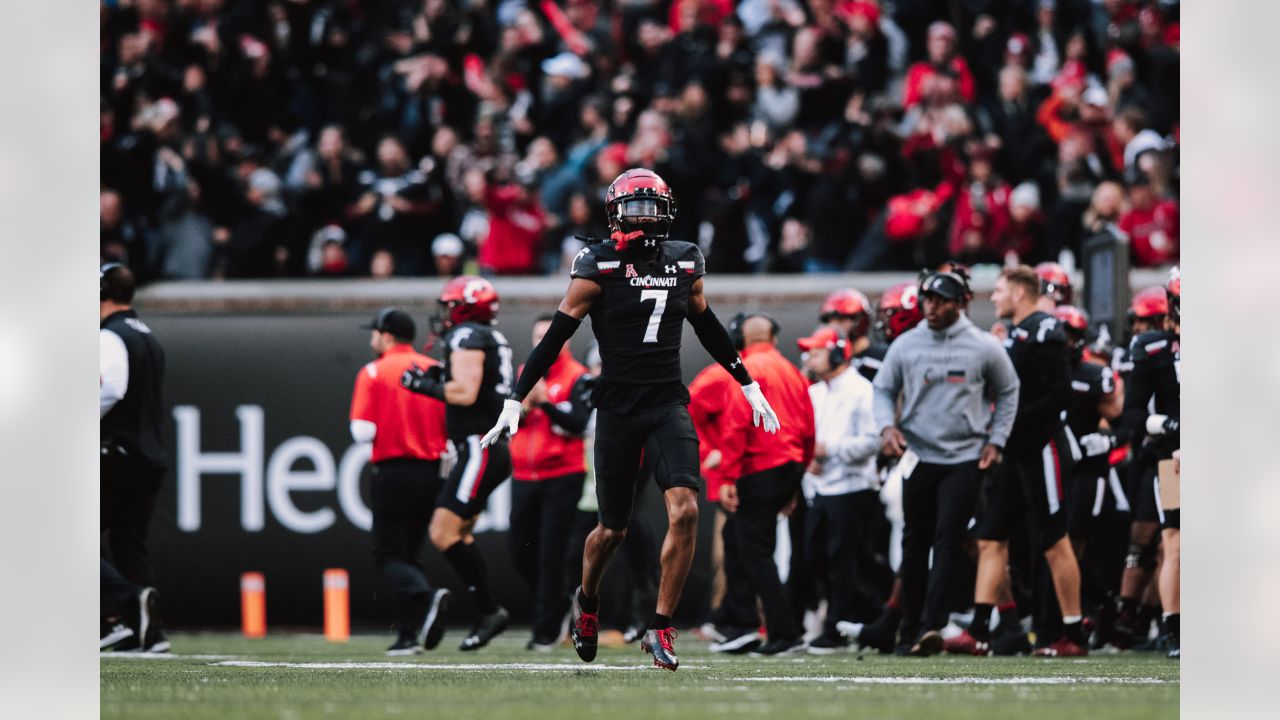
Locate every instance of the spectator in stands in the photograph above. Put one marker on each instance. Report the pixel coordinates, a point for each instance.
(516, 224)
(1151, 222)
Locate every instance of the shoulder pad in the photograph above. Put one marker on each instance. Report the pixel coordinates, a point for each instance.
(1149, 344)
(688, 257)
(470, 336)
(594, 261)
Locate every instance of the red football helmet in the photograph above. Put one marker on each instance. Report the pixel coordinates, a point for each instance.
(639, 204)
(848, 303)
(899, 310)
(1150, 304)
(1055, 283)
(1075, 323)
(1173, 294)
(468, 298)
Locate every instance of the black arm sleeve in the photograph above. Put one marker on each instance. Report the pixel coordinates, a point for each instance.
(719, 345)
(563, 326)
(575, 419)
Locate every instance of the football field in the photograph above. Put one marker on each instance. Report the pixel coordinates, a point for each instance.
(296, 677)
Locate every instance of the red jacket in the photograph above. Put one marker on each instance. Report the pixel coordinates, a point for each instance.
(515, 232)
(912, 89)
(748, 449)
(990, 224)
(1153, 233)
(541, 449)
(709, 394)
(408, 425)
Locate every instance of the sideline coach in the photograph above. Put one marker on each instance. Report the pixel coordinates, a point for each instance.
(408, 436)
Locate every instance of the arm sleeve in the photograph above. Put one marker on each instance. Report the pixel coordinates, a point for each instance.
(563, 326)
(885, 391)
(113, 371)
(574, 414)
(1136, 396)
(862, 441)
(719, 345)
(1002, 387)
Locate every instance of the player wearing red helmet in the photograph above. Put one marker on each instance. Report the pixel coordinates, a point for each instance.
(473, 382)
(898, 310)
(639, 288)
(1055, 286)
(849, 311)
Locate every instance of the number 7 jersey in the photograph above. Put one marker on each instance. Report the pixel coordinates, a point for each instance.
(638, 319)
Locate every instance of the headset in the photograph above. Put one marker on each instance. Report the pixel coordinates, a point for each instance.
(841, 353)
(735, 327)
(103, 284)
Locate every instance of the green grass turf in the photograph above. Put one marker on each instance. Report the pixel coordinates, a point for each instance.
(190, 685)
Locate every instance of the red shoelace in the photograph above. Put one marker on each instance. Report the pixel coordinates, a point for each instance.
(665, 637)
(588, 625)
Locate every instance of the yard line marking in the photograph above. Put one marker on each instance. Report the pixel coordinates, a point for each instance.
(531, 667)
(965, 680)
(126, 655)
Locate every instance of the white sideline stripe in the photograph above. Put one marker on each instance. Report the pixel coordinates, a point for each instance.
(126, 655)
(531, 667)
(964, 680)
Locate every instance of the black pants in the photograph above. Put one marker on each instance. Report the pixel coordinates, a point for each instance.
(937, 502)
(839, 545)
(129, 490)
(403, 492)
(116, 595)
(761, 496)
(542, 514)
(738, 606)
(664, 435)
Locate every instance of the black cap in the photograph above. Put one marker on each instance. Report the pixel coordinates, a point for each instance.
(946, 284)
(393, 320)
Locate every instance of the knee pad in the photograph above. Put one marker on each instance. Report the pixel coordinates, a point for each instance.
(1141, 556)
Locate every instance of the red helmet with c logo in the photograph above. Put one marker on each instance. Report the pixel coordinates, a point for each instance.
(899, 310)
(468, 298)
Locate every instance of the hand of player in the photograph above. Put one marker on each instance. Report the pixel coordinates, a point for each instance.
(760, 409)
(1161, 425)
(1095, 444)
(419, 380)
(508, 421)
(990, 456)
(728, 497)
(892, 443)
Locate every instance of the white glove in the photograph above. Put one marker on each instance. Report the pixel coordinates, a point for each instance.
(508, 421)
(1096, 444)
(1155, 424)
(760, 409)
(448, 458)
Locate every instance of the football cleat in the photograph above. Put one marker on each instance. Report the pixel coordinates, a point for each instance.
(113, 636)
(661, 644)
(966, 644)
(584, 630)
(738, 641)
(486, 628)
(405, 645)
(1061, 647)
(930, 643)
(432, 630)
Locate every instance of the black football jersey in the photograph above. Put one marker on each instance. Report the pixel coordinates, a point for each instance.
(495, 386)
(868, 362)
(638, 319)
(1090, 383)
(1156, 379)
(1037, 346)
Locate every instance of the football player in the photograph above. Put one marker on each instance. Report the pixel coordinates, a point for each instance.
(848, 311)
(473, 383)
(639, 287)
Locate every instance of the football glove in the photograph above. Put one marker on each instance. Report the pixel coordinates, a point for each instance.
(424, 382)
(508, 421)
(1095, 444)
(1161, 425)
(760, 409)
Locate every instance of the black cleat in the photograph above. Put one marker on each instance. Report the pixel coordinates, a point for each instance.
(781, 647)
(738, 641)
(114, 636)
(432, 630)
(661, 644)
(879, 635)
(632, 633)
(486, 628)
(584, 630)
(405, 645)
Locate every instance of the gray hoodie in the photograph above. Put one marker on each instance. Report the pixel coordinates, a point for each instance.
(947, 380)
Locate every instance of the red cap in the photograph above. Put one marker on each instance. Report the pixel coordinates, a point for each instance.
(825, 337)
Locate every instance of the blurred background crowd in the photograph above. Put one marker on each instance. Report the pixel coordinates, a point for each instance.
(355, 138)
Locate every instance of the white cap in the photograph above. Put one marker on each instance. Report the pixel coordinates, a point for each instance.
(567, 65)
(1095, 96)
(1026, 195)
(447, 244)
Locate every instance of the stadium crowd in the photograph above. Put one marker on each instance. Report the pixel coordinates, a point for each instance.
(330, 138)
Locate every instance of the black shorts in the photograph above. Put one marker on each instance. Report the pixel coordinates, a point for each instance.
(666, 437)
(1143, 488)
(1086, 493)
(1028, 487)
(477, 473)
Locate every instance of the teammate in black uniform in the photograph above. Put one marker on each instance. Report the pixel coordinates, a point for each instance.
(1029, 485)
(1155, 384)
(1147, 313)
(473, 382)
(638, 289)
(849, 311)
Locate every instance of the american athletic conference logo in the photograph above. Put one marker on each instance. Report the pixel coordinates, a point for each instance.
(631, 271)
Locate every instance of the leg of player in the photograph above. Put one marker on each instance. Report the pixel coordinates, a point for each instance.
(451, 535)
(1138, 565)
(584, 624)
(677, 556)
(1066, 583)
(993, 564)
(1170, 593)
